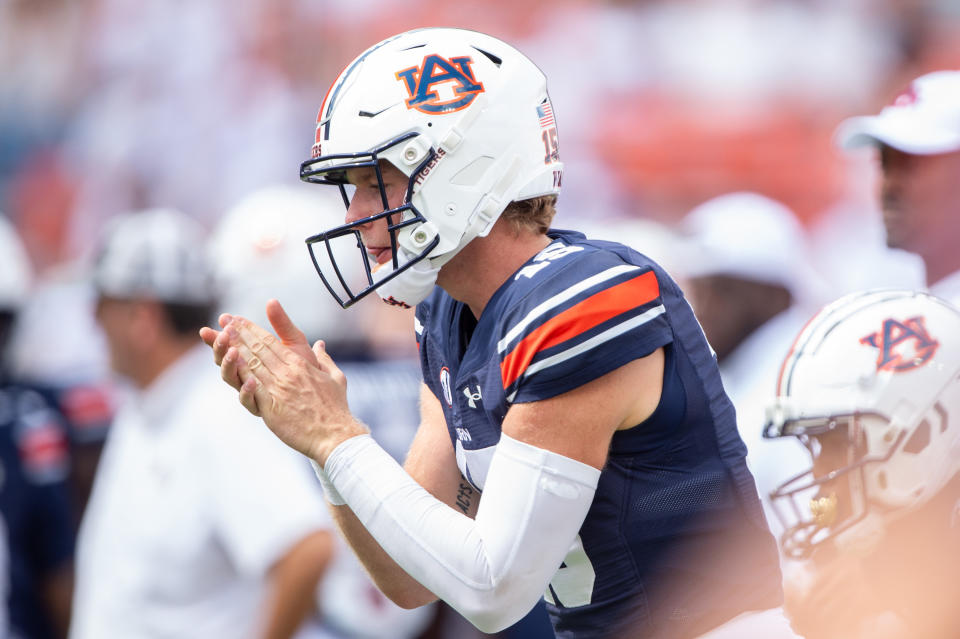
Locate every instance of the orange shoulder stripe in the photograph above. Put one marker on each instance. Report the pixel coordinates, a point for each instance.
(578, 319)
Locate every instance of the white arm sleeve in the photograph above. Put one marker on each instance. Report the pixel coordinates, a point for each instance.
(329, 490)
(492, 570)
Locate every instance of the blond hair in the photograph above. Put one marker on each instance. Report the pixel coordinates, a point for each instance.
(534, 214)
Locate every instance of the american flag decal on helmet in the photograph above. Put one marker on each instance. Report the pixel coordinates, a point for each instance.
(545, 113)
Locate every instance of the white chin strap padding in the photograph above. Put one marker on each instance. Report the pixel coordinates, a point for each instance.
(410, 287)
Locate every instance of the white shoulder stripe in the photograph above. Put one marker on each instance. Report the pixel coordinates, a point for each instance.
(596, 340)
(560, 298)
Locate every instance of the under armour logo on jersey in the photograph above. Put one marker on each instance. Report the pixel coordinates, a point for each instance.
(903, 345)
(434, 72)
(472, 396)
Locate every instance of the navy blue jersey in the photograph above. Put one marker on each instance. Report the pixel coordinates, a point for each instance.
(34, 503)
(675, 541)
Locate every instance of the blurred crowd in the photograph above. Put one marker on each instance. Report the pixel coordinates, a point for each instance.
(700, 132)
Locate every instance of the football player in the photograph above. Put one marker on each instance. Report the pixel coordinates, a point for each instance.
(871, 388)
(566, 380)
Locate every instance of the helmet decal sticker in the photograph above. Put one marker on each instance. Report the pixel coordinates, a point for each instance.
(548, 133)
(894, 341)
(435, 71)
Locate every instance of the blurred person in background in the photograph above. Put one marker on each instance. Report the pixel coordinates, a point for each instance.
(69, 362)
(257, 253)
(745, 264)
(199, 524)
(37, 526)
(871, 394)
(658, 241)
(918, 141)
(541, 351)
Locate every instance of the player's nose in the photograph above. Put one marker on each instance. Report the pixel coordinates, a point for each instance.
(357, 210)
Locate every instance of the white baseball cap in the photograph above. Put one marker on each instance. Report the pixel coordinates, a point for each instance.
(923, 120)
(748, 236)
(154, 254)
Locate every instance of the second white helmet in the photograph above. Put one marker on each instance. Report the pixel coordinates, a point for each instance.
(257, 253)
(871, 387)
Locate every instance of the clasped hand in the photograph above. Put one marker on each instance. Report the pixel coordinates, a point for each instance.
(299, 391)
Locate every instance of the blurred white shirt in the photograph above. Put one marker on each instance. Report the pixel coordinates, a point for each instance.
(352, 607)
(749, 376)
(385, 395)
(193, 502)
(948, 288)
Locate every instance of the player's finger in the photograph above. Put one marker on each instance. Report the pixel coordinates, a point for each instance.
(323, 358)
(230, 368)
(248, 398)
(208, 335)
(324, 361)
(286, 330)
(256, 343)
(224, 319)
(221, 343)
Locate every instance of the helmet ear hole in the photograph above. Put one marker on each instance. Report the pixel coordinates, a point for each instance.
(919, 440)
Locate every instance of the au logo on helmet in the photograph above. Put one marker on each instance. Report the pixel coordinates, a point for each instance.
(892, 340)
(421, 83)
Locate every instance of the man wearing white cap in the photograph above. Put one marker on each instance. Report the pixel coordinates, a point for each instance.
(750, 283)
(918, 137)
(200, 524)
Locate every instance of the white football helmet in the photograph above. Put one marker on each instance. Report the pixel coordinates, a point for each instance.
(466, 117)
(871, 387)
(256, 254)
